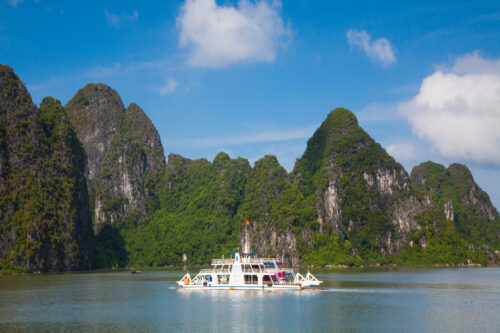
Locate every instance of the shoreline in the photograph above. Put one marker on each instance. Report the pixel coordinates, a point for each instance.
(312, 267)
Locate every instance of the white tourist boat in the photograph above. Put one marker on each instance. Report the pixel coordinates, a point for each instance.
(244, 271)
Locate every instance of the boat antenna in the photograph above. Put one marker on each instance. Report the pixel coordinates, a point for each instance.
(246, 249)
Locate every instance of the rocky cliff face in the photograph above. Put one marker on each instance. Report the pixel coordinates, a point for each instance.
(95, 112)
(361, 192)
(44, 220)
(124, 153)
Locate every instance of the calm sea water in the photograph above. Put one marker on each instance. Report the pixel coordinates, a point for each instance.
(402, 300)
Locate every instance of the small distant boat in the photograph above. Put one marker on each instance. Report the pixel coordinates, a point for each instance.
(134, 271)
(246, 271)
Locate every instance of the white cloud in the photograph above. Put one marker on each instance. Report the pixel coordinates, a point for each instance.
(403, 152)
(475, 64)
(379, 50)
(119, 20)
(169, 86)
(218, 36)
(458, 110)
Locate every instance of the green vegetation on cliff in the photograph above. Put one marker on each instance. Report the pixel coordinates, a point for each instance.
(475, 218)
(276, 209)
(196, 203)
(460, 221)
(44, 221)
(272, 199)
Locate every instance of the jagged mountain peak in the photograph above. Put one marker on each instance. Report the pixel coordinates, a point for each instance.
(174, 158)
(340, 146)
(135, 113)
(454, 184)
(423, 174)
(96, 103)
(269, 164)
(95, 112)
(13, 93)
(221, 158)
(7, 73)
(139, 126)
(431, 176)
(339, 122)
(341, 118)
(460, 172)
(267, 159)
(49, 101)
(20, 129)
(94, 91)
(6, 68)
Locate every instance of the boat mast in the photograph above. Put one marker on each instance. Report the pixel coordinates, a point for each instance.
(246, 248)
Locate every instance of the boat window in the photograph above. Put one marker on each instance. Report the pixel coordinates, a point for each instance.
(268, 278)
(223, 279)
(251, 279)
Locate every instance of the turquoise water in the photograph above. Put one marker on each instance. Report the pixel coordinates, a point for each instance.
(402, 300)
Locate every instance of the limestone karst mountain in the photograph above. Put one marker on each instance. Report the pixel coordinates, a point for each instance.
(88, 183)
(124, 153)
(356, 186)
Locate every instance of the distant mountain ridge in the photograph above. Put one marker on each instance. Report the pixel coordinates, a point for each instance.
(86, 185)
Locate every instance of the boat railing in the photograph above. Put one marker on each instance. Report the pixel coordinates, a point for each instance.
(247, 261)
(247, 270)
(261, 260)
(273, 270)
(222, 261)
(212, 270)
(267, 270)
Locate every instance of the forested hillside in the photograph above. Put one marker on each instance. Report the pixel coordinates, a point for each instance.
(44, 218)
(195, 204)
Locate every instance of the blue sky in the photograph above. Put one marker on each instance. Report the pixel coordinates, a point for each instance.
(258, 77)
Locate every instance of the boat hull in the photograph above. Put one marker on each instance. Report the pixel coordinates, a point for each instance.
(218, 287)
